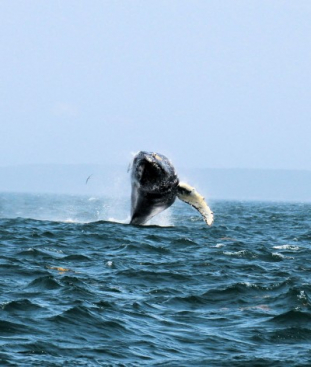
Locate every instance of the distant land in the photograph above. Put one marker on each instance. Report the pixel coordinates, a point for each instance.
(214, 184)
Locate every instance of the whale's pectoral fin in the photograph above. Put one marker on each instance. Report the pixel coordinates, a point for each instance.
(190, 196)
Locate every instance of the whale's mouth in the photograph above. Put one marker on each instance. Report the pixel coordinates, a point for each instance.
(153, 173)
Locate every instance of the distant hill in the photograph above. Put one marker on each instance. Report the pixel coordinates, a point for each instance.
(232, 184)
(69, 179)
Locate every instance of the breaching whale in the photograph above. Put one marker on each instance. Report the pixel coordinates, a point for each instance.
(155, 186)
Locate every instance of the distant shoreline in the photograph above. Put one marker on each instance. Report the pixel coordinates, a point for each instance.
(214, 183)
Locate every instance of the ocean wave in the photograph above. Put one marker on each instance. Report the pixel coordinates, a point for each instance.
(287, 247)
(46, 282)
(293, 317)
(21, 305)
(103, 293)
(10, 328)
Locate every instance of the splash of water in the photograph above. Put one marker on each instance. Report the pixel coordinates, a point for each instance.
(164, 219)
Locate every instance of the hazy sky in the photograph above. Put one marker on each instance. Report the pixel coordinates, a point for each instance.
(208, 83)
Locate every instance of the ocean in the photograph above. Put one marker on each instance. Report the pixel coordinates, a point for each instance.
(81, 287)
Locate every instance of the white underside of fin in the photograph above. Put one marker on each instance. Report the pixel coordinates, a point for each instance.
(189, 195)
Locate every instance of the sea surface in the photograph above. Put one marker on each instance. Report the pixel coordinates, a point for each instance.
(81, 287)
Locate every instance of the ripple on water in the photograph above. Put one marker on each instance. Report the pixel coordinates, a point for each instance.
(103, 293)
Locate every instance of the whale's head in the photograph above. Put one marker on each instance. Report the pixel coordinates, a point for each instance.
(153, 172)
(154, 185)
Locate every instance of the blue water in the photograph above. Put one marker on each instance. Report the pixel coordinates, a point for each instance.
(80, 287)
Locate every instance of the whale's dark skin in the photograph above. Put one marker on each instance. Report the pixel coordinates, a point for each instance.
(154, 186)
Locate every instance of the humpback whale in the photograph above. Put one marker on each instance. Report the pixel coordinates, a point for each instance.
(155, 186)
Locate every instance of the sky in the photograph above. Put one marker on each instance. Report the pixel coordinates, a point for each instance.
(209, 83)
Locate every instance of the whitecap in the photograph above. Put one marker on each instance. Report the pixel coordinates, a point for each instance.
(69, 220)
(302, 295)
(287, 247)
(281, 256)
(218, 245)
(235, 253)
(122, 221)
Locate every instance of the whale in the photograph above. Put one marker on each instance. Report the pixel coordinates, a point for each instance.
(155, 186)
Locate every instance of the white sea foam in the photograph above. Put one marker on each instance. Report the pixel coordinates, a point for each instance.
(281, 256)
(69, 220)
(122, 221)
(287, 247)
(235, 253)
(302, 295)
